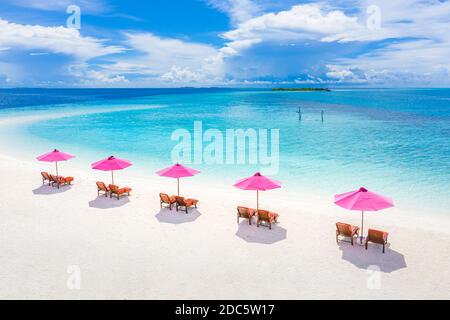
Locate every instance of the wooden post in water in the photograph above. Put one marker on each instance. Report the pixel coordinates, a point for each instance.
(299, 114)
(322, 115)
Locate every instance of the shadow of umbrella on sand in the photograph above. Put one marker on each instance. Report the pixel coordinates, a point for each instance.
(107, 203)
(373, 257)
(171, 216)
(261, 235)
(47, 190)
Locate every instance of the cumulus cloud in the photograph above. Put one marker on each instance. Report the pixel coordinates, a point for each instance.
(53, 39)
(164, 51)
(183, 75)
(301, 21)
(169, 59)
(411, 62)
(345, 74)
(86, 74)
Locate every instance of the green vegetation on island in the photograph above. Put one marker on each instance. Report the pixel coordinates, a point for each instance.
(300, 89)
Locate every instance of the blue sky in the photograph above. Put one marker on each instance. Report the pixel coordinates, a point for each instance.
(161, 43)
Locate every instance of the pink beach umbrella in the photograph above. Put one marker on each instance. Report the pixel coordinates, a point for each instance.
(55, 156)
(363, 200)
(257, 182)
(111, 164)
(177, 171)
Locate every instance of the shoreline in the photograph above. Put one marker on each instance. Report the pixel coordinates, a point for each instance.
(125, 248)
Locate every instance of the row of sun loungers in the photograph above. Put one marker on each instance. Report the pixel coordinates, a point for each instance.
(57, 181)
(349, 231)
(181, 203)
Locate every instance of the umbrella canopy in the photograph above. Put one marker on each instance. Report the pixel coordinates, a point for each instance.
(177, 171)
(257, 182)
(363, 200)
(55, 156)
(111, 164)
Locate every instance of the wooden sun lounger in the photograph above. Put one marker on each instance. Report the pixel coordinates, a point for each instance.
(346, 230)
(377, 236)
(245, 213)
(118, 192)
(101, 187)
(46, 178)
(267, 217)
(60, 181)
(185, 203)
(166, 200)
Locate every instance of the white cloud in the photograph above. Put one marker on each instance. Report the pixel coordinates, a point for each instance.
(301, 21)
(98, 76)
(163, 52)
(413, 62)
(182, 75)
(238, 10)
(53, 39)
(87, 75)
(169, 59)
(342, 74)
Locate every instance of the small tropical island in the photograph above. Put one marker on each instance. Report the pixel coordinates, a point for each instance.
(301, 89)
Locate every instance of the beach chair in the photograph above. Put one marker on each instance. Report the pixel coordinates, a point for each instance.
(185, 203)
(166, 200)
(118, 192)
(267, 217)
(245, 213)
(60, 181)
(377, 236)
(46, 178)
(101, 187)
(346, 230)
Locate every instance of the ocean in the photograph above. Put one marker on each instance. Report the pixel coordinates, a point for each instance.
(392, 141)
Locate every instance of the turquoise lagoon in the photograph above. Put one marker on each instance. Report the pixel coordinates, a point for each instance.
(394, 141)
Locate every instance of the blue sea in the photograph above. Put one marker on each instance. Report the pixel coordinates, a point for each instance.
(392, 141)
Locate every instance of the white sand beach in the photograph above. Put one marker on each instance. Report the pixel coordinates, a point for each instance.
(130, 249)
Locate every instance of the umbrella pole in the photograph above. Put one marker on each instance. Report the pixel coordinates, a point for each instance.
(178, 186)
(112, 176)
(362, 225)
(257, 200)
(56, 163)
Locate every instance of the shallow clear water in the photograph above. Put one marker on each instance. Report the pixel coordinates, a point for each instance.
(395, 142)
